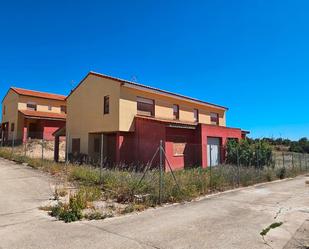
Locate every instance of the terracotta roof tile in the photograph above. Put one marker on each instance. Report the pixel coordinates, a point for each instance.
(38, 94)
(47, 115)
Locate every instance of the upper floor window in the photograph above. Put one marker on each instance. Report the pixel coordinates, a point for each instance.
(145, 106)
(31, 106)
(63, 109)
(3, 111)
(106, 105)
(49, 108)
(214, 118)
(195, 112)
(175, 111)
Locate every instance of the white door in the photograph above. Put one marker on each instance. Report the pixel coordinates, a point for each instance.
(213, 151)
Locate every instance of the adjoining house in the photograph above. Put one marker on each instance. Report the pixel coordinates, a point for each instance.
(133, 118)
(31, 114)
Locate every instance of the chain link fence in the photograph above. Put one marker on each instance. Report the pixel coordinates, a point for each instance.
(160, 180)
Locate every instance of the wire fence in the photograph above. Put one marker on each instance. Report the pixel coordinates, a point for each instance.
(35, 146)
(159, 179)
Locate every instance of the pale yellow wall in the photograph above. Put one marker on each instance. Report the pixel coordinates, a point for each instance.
(15, 102)
(11, 114)
(42, 104)
(85, 110)
(163, 108)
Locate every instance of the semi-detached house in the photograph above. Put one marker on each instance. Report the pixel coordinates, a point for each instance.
(28, 114)
(133, 118)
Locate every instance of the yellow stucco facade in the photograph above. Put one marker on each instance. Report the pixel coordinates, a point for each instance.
(163, 108)
(14, 102)
(85, 108)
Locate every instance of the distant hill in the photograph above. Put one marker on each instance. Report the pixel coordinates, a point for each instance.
(280, 144)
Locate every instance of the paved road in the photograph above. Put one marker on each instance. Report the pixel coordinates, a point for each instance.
(229, 220)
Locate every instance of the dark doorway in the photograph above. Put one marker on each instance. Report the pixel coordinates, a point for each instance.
(34, 131)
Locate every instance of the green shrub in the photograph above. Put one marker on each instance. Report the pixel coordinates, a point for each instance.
(98, 216)
(256, 154)
(281, 173)
(86, 175)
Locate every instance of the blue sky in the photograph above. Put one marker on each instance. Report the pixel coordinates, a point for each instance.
(252, 56)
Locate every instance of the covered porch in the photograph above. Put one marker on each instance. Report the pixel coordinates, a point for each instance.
(40, 125)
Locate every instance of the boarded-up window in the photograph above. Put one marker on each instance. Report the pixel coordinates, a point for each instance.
(76, 145)
(31, 106)
(145, 106)
(12, 127)
(106, 104)
(176, 111)
(4, 110)
(214, 118)
(179, 146)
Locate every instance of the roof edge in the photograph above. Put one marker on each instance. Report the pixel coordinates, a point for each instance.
(15, 89)
(122, 81)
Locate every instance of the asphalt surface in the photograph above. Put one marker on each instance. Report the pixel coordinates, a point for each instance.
(229, 220)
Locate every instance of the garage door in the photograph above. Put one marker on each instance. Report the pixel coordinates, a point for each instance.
(213, 151)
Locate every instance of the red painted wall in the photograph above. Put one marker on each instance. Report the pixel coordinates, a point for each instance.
(140, 146)
(49, 127)
(191, 155)
(216, 131)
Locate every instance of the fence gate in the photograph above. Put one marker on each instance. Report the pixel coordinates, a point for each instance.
(213, 151)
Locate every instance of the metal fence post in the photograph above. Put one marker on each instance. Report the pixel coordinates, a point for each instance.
(306, 161)
(283, 161)
(238, 167)
(161, 173)
(210, 164)
(67, 148)
(101, 157)
(42, 150)
(293, 160)
(13, 142)
(299, 157)
(25, 147)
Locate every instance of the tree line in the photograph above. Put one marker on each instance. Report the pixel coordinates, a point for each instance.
(300, 146)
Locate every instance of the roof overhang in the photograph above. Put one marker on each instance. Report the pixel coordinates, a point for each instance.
(171, 123)
(42, 115)
(149, 89)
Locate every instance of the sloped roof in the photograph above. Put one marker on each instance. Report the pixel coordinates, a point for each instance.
(43, 115)
(37, 94)
(148, 88)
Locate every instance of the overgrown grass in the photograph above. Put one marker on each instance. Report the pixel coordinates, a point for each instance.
(72, 211)
(126, 186)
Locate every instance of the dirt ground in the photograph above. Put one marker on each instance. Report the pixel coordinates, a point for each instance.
(35, 149)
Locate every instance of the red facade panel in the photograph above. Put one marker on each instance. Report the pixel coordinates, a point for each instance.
(184, 146)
